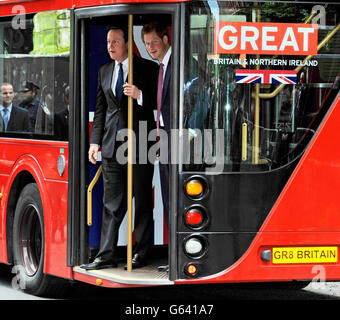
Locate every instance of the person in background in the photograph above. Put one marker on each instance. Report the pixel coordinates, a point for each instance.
(61, 119)
(14, 119)
(29, 100)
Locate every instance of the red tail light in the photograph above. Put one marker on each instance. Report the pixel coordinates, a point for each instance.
(194, 217)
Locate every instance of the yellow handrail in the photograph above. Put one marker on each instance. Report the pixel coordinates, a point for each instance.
(256, 149)
(309, 19)
(89, 195)
(130, 149)
(256, 138)
(244, 141)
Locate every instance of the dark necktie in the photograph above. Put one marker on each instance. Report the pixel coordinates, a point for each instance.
(5, 111)
(159, 94)
(119, 83)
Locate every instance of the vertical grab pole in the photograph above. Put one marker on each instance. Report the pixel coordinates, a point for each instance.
(130, 148)
(257, 111)
(257, 124)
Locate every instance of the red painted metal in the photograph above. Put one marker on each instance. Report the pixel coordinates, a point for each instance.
(39, 159)
(10, 7)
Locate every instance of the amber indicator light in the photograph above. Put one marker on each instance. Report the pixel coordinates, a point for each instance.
(194, 188)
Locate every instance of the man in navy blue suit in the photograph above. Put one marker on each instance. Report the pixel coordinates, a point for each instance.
(110, 118)
(156, 39)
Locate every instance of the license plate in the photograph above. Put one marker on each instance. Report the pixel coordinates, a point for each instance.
(285, 255)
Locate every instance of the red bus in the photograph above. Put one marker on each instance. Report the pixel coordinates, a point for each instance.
(255, 108)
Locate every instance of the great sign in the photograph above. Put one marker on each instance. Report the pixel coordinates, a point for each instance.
(266, 38)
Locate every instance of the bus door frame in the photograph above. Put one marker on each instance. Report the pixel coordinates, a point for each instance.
(77, 248)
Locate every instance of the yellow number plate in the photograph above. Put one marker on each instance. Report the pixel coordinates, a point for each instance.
(305, 255)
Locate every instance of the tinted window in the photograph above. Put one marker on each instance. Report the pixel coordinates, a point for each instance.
(34, 65)
(258, 81)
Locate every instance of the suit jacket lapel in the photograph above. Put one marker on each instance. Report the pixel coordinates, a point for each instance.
(108, 80)
(166, 83)
(109, 77)
(12, 116)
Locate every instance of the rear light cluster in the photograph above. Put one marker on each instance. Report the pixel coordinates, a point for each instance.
(196, 218)
(195, 247)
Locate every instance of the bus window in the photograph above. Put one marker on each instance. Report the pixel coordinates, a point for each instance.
(34, 62)
(257, 84)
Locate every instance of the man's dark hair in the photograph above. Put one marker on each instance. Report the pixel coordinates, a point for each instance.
(156, 26)
(124, 29)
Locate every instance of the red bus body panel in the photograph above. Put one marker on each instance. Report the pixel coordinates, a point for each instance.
(9, 8)
(39, 158)
(307, 213)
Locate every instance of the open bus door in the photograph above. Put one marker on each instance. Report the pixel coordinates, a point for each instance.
(90, 53)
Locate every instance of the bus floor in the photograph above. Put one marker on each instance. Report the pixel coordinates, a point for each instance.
(147, 275)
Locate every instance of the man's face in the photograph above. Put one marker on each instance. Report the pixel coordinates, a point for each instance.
(156, 46)
(116, 45)
(7, 95)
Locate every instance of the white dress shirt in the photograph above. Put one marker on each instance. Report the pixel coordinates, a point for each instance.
(125, 65)
(9, 110)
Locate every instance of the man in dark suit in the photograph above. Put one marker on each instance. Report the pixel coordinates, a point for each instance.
(14, 119)
(109, 119)
(156, 40)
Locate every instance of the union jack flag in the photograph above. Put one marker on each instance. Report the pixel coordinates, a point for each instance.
(265, 76)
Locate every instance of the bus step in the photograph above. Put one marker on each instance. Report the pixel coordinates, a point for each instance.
(148, 275)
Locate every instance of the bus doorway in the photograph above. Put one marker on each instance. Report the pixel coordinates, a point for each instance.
(92, 54)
